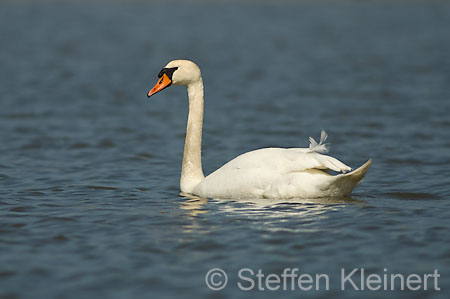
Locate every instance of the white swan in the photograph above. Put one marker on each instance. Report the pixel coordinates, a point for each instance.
(263, 173)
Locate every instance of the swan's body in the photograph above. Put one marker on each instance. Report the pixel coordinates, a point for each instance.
(263, 173)
(279, 173)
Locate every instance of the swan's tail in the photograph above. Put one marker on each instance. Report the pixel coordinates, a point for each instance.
(345, 183)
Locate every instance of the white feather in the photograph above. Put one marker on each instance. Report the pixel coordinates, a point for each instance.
(320, 147)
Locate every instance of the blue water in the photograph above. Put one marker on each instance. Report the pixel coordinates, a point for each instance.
(89, 168)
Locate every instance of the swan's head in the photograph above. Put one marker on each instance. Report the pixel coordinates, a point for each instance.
(177, 72)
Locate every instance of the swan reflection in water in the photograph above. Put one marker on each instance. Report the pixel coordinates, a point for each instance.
(272, 211)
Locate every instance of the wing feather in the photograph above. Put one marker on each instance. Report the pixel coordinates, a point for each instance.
(311, 160)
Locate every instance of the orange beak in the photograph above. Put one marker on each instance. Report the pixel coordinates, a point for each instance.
(163, 82)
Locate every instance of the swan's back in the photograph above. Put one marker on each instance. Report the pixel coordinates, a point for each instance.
(273, 172)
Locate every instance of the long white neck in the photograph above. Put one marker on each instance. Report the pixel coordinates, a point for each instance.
(191, 169)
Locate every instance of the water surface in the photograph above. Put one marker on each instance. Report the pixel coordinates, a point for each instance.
(89, 168)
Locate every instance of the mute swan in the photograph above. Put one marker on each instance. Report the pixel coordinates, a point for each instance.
(280, 173)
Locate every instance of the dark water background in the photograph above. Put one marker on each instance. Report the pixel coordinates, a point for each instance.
(89, 168)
